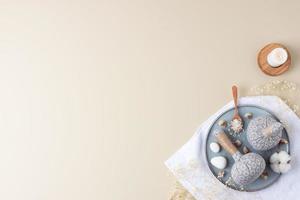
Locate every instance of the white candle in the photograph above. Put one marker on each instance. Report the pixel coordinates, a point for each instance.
(277, 57)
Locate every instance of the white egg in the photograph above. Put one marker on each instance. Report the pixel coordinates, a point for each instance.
(275, 168)
(284, 167)
(219, 162)
(274, 158)
(214, 147)
(284, 157)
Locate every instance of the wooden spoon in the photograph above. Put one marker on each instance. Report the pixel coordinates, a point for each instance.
(236, 117)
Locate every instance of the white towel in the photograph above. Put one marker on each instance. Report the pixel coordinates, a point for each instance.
(189, 163)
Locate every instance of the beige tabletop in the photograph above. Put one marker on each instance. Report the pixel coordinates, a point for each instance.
(96, 95)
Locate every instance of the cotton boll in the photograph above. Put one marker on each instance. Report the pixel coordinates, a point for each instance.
(274, 158)
(284, 157)
(275, 168)
(280, 162)
(284, 167)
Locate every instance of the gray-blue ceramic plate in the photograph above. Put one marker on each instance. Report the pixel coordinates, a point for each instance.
(261, 182)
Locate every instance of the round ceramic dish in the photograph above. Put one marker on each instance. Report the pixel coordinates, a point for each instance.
(261, 182)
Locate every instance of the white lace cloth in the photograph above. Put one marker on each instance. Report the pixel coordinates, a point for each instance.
(189, 165)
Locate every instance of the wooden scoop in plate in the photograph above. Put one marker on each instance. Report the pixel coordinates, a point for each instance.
(247, 168)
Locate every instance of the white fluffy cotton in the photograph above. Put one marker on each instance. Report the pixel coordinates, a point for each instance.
(275, 168)
(284, 167)
(280, 162)
(274, 158)
(284, 157)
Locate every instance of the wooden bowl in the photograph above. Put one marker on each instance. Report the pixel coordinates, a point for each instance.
(268, 69)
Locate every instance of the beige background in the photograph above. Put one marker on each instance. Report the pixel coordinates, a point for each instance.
(95, 95)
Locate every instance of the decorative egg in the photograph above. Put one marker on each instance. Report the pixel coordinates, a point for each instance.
(219, 162)
(214, 147)
(264, 133)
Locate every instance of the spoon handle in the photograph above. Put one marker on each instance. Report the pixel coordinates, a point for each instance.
(225, 142)
(235, 96)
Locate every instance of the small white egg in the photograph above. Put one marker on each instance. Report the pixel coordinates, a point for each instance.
(219, 162)
(284, 167)
(214, 147)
